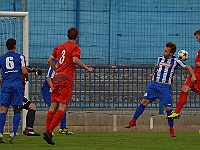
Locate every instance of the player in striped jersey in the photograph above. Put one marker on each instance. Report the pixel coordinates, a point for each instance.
(46, 90)
(189, 85)
(160, 87)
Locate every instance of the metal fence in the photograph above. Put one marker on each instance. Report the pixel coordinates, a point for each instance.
(111, 87)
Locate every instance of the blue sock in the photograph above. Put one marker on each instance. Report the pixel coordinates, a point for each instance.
(63, 122)
(2, 121)
(16, 120)
(170, 121)
(139, 111)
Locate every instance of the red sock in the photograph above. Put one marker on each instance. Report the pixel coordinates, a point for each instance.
(182, 99)
(49, 119)
(56, 120)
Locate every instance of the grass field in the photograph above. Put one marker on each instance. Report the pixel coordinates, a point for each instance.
(108, 141)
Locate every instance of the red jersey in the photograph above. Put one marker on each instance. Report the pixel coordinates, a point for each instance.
(196, 68)
(64, 54)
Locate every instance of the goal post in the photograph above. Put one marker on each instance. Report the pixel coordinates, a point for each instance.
(25, 46)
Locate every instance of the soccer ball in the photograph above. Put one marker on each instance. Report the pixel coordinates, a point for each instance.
(183, 55)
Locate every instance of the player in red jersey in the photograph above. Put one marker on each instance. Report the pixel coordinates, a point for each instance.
(67, 55)
(189, 85)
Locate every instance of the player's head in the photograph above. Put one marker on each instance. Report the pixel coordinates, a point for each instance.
(197, 34)
(169, 49)
(11, 44)
(72, 33)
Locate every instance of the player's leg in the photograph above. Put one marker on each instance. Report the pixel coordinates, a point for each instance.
(50, 116)
(182, 99)
(165, 96)
(170, 122)
(58, 116)
(30, 118)
(140, 109)
(3, 114)
(15, 121)
(63, 127)
(148, 94)
(16, 100)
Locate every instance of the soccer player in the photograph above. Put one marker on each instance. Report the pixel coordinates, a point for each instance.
(160, 87)
(46, 90)
(67, 55)
(189, 85)
(13, 66)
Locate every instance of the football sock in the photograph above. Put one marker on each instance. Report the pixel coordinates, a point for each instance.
(16, 120)
(56, 120)
(2, 121)
(182, 99)
(30, 118)
(170, 121)
(50, 115)
(139, 111)
(63, 122)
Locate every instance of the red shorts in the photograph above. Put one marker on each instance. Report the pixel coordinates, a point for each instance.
(195, 86)
(62, 91)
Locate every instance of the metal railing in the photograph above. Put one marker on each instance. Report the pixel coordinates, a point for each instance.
(111, 87)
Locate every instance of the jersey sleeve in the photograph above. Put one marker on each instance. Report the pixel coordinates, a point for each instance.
(53, 54)
(198, 56)
(180, 63)
(23, 63)
(50, 73)
(77, 52)
(158, 61)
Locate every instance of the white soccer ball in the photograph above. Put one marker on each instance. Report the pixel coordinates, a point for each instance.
(183, 55)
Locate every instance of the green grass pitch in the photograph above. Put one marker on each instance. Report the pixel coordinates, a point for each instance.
(108, 141)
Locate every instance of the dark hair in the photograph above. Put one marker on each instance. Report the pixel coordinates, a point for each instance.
(10, 43)
(72, 33)
(172, 46)
(197, 32)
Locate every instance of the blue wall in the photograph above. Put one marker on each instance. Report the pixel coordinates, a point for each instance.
(111, 31)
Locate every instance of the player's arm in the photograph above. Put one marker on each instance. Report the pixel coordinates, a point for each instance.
(51, 63)
(25, 72)
(23, 67)
(77, 61)
(49, 81)
(191, 72)
(154, 70)
(198, 64)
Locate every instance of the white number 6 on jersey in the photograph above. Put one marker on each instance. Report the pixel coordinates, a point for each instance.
(9, 63)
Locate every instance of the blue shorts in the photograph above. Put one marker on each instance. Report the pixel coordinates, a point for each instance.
(46, 96)
(156, 90)
(12, 95)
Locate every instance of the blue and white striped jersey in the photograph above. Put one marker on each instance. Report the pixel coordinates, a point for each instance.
(50, 74)
(166, 69)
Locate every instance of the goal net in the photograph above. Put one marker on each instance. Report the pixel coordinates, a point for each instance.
(15, 25)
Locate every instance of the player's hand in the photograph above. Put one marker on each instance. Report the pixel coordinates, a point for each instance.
(0, 80)
(38, 71)
(151, 75)
(90, 70)
(193, 78)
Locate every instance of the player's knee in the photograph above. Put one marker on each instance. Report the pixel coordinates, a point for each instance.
(167, 108)
(185, 88)
(145, 102)
(17, 109)
(32, 106)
